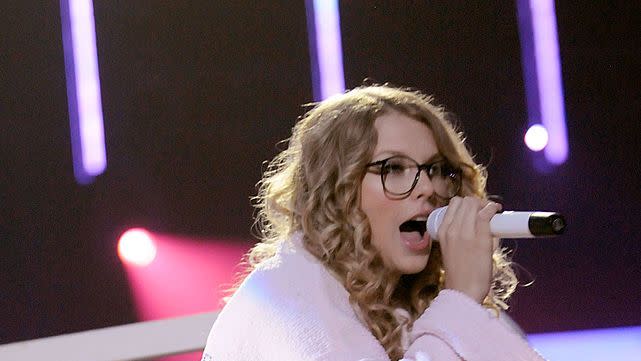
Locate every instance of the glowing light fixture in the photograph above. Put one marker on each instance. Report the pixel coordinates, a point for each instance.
(536, 138)
(542, 73)
(326, 53)
(621, 344)
(137, 247)
(83, 89)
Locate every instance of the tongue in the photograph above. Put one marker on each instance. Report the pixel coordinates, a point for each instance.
(412, 237)
(415, 241)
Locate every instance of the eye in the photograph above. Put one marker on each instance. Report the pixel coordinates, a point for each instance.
(394, 166)
(440, 169)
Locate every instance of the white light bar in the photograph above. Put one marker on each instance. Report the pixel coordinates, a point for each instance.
(621, 344)
(138, 341)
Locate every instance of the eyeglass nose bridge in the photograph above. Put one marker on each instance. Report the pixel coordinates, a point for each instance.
(417, 177)
(426, 168)
(435, 187)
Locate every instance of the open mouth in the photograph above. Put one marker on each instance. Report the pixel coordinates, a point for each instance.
(414, 226)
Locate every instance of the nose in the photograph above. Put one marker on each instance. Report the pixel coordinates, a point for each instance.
(424, 186)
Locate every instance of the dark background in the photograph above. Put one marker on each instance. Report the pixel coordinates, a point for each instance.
(196, 95)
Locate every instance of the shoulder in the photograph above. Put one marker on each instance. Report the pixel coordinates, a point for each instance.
(294, 281)
(289, 305)
(292, 276)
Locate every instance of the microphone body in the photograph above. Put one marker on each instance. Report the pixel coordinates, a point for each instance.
(510, 224)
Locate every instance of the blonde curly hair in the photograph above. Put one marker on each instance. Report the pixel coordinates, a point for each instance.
(313, 187)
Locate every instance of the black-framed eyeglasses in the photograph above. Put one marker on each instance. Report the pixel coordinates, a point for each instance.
(400, 174)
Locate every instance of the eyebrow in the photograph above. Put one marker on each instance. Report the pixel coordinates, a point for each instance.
(392, 153)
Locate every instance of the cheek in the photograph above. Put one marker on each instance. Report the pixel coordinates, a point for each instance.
(370, 197)
(377, 207)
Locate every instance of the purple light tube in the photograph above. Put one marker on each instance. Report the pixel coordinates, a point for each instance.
(323, 27)
(83, 89)
(621, 344)
(542, 73)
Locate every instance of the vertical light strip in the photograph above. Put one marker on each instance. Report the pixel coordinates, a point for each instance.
(538, 27)
(326, 52)
(83, 89)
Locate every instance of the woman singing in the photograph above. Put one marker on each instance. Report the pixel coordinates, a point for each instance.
(345, 270)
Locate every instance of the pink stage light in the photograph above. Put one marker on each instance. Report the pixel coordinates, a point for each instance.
(536, 138)
(136, 247)
(188, 276)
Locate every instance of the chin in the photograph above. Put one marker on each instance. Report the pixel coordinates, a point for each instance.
(412, 264)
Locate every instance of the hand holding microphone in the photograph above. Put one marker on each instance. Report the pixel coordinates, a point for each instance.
(465, 230)
(467, 245)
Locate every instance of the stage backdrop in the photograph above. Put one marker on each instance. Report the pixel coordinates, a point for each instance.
(197, 94)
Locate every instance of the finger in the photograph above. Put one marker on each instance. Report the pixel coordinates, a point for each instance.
(496, 199)
(490, 200)
(483, 224)
(467, 220)
(489, 210)
(452, 209)
(496, 243)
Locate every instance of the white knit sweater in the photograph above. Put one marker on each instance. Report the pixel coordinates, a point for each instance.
(292, 308)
